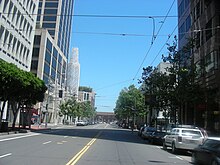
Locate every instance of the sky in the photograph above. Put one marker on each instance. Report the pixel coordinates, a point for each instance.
(115, 41)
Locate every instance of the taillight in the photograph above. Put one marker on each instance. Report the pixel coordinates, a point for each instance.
(179, 139)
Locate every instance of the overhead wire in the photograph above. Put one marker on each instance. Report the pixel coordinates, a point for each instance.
(153, 41)
(93, 16)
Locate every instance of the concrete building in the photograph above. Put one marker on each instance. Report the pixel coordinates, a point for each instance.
(17, 27)
(203, 25)
(86, 94)
(51, 51)
(49, 64)
(73, 73)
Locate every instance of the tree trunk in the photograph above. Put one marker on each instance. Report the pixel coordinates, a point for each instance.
(2, 111)
(15, 108)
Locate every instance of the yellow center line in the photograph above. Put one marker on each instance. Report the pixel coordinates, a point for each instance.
(83, 151)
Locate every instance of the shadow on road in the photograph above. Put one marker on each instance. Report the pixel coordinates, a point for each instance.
(114, 134)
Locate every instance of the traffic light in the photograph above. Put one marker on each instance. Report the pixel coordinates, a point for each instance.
(60, 93)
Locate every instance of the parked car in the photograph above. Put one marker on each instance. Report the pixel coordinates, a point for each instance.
(184, 139)
(81, 123)
(147, 132)
(157, 137)
(208, 153)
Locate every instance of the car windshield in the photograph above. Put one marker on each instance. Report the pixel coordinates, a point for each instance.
(191, 133)
(210, 143)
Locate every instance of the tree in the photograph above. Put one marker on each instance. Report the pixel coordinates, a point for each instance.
(71, 108)
(19, 88)
(129, 104)
(183, 70)
(156, 87)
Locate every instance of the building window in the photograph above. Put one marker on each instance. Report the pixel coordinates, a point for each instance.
(48, 57)
(198, 9)
(208, 30)
(35, 52)
(50, 18)
(50, 11)
(51, 4)
(211, 61)
(49, 25)
(60, 59)
(37, 39)
(55, 53)
(188, 23)
(51, 32)
(34, 65)
(49, 45)
(46, 69)
(197, 39)
(181, 9)
(54, 63)
(53, 74)
(182, 31)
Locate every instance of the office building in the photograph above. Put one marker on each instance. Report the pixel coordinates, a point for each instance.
(51, 51)
(199, 20)
(17, 28)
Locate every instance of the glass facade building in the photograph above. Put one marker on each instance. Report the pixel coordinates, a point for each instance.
(51, 50)
(56, 17)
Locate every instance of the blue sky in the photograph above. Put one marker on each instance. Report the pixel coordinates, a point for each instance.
(111, 61)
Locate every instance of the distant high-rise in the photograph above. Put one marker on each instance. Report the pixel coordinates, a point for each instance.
(73, 73)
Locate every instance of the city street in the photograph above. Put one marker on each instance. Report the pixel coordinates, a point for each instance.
(101, 144)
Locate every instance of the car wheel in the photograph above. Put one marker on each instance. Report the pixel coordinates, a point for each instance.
(164, 146)
(193, 159)
(214, 162)
(174, 150)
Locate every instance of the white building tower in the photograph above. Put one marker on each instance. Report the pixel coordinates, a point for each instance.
(73, 73)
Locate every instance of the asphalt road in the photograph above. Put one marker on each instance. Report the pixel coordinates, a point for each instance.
(101, 144)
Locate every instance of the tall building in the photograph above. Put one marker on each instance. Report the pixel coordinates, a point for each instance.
(51, 51)
(73, 73)
(204, 28)
(56, 17)
(17, 27)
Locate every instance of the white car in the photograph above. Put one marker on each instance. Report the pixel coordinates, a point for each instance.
(184, 139)
(80, 123)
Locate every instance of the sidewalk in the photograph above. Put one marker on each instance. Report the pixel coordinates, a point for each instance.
(27, 129)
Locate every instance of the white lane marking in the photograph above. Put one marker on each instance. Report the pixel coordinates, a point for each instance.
(179, 157)
(19, 137)
(106, 125)
(74, 137)
(65, 136)
(2, 156)
(47, 142)
(175, 157)
(58, 127)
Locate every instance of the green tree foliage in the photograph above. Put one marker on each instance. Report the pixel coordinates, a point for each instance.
(129, 102)
(174, 89)
(72, 108)
(19, 88)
